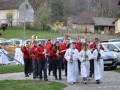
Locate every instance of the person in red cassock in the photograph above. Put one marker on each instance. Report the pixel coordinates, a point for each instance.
(42, 60)
(27, 58)
(78, 46)
(48, 48)
(63, 49)
(34, 59)
(57, 62)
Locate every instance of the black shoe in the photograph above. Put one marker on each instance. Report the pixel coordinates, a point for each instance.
(49, 74)
(60, 78)
(34, 77)
(46, 79)
(26, 75)
(56, 78)
(85, 82)
(98, 81)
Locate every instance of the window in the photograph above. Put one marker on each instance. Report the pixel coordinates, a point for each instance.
(27, 7)
(9, 16)
(112, 47)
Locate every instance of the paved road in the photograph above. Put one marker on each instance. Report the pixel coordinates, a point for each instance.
(111, 81)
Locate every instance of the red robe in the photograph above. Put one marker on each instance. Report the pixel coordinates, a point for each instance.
(92, 46)
(39, 53)
(32, 52)
(26, 53)
(78, 46)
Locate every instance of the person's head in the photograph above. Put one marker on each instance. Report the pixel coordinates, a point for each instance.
(72, 45)
(78, 40)
(96, 40)
(28, 44)
(42, 43)
(57, 44)
(35, 43)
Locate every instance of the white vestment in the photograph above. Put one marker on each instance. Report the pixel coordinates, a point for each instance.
(85, 65)
(72, 67)
(98, 65)
(18, 56)
(3, 58)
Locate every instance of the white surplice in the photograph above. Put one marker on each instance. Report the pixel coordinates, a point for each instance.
(85, 65)
(3, 58)
(98, 65)
(72, 67)
(18, 56)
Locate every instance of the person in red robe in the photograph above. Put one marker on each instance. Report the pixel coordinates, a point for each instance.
(42, 60)
(27, 59)
(63, 49)
(57, 62)
(34, 59)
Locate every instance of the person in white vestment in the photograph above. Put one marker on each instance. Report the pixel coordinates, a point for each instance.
(84, 57)
(98, 63)
(18, 56)
(71, 56)
(3, 56)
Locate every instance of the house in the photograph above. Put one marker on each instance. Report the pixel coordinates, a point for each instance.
(104, 25)
(93, 24)
(83, 22)
(15, 12)
(117, 25)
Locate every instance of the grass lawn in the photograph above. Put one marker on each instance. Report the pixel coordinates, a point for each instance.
(117, 70)
(19, 33)
(30, 85)
(11, 69)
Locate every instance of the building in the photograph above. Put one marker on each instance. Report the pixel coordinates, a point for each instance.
(104, 25)
(15, 12)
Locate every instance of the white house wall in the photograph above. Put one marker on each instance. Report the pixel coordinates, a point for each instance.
(27, 14)
(3, 16)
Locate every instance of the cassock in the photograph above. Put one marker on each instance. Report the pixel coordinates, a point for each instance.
(3, 57)
(18, 56)
(72, 67)
(98, 64)
(85, 65)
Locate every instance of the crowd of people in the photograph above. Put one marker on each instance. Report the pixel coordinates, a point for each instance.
(76, 58)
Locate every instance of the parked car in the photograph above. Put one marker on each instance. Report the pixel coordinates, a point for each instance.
(38, 40)
(9, 46)
(17, 41)
(115, 47)
(110, 60)
(111, 40)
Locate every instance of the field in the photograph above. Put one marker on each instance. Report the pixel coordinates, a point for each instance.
(19, 33)
(11, 69)
(30, 85)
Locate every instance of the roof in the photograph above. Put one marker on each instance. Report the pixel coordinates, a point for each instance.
(83, 18)
(10, 4)
(99, 21)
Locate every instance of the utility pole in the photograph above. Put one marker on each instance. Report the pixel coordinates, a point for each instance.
(25, 19)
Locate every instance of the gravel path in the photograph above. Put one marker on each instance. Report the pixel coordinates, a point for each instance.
(111, 81)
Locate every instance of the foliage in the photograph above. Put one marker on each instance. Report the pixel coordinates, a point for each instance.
(42, 16)
(57, 25)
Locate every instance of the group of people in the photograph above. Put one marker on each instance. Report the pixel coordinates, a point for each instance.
(75, 58)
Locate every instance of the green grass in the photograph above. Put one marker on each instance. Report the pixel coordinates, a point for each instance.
(19, 33)
(11, 69)
(30, 85)
(117, 70)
